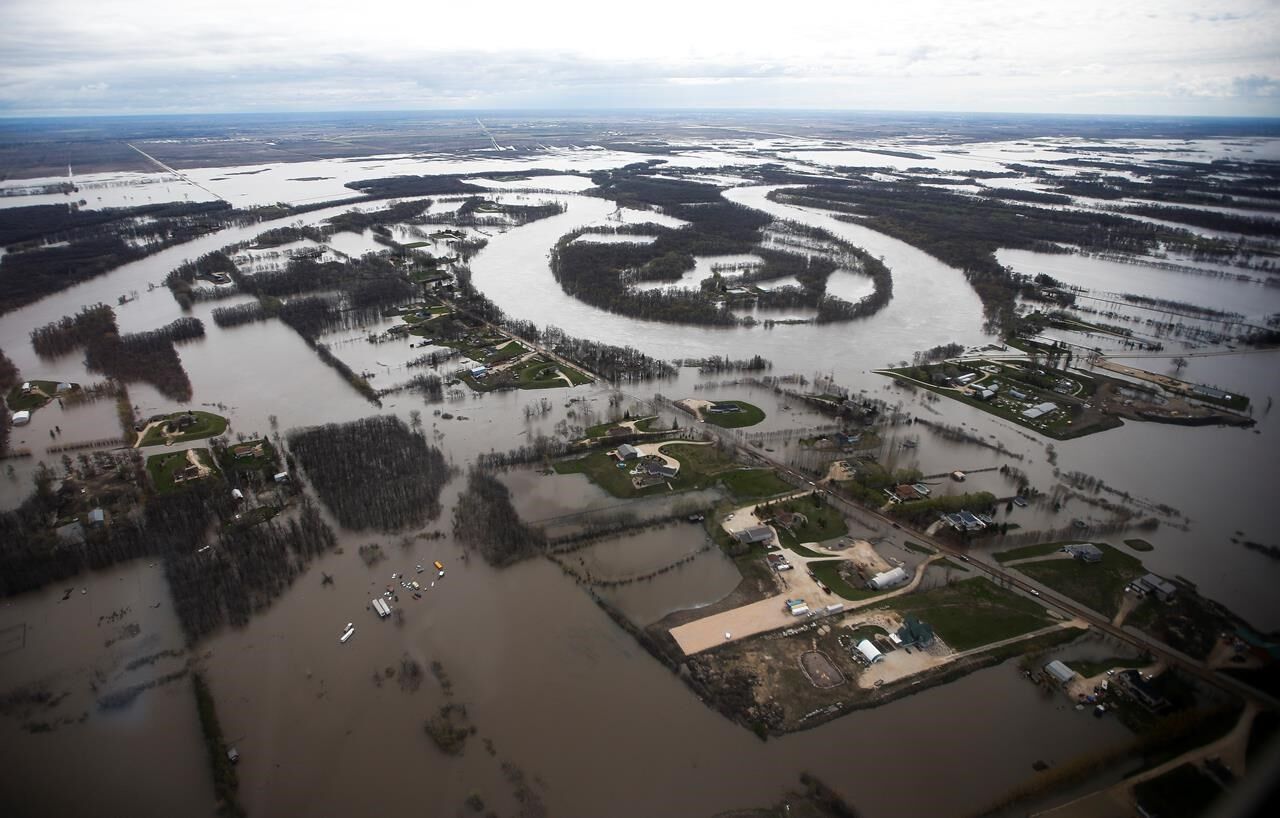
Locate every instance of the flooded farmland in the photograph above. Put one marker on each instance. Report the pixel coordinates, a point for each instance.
(571, 715)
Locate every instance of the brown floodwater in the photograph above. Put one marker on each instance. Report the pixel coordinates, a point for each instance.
(596, 725)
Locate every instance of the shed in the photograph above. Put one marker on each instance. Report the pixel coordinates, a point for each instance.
(887, 579)
(1161, 587)
(1085, 551)
(97, 517)
(1059, 672)
(281, 477)
(21, 418)
(754, 534)
(870, 652)
(237, 494)
(1040, 410)
(627, 452)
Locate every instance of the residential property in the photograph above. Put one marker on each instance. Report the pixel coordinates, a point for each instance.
(914, 632)
(965, 521)
(1141, 690)
(1059, 672)
(626, 452)
(870, 652)
(904, 493)
(245, 451)
(1040, 410)
(1085, 552)
(967, 378)
(1152, 584)
(479, 371)
(888, 579)
(984, 394)
(754, 534)
(723, 408)
(665, 471)
(789, 519)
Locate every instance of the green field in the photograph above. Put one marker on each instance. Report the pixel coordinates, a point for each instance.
(749, 416)
(827, 573)
(602, 429)
(41, 393)
(1028, 551)
(973, 613)
(824, 522)
(699, 467)
(1098, 585)
(207, 425)
(754, 483)
(163, 467)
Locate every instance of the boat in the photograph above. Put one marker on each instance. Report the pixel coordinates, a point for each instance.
(440, 575)
(347, 634)
(1020, 502)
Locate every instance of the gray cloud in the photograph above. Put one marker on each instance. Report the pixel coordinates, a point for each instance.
(1144, 56)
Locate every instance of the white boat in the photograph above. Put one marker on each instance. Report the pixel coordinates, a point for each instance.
(347, 635)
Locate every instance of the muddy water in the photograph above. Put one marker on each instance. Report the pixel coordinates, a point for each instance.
(597, 726)
(145, 759)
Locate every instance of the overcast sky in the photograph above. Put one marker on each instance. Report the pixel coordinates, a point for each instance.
(1072, 56)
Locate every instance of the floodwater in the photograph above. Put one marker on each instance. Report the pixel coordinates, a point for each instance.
(595, 724)
(1254, 300)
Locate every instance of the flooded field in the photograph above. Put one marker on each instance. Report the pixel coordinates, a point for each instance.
(556, 690)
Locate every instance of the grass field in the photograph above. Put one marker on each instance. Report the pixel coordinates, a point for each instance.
(973, 612)
(1098, 585)
(163, 467)
(827, 573)
(699, 467)
(207, 425)
(824, 523)
(1028, 551)
(42, 392)
(754, 483)
(749, 416)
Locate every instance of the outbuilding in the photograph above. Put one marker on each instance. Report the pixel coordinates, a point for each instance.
(627, 452)
(1161, 587)
(1059, 672)
(754, 534)
(888, 579)
(21, 418)
(1085, 552)
(870, 652)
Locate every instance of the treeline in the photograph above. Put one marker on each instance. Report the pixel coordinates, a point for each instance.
(180, 279)
(63, 222)
(429, 385)
(91, 250)
(226, 783)
(245, 570)
(358, 221)
(414, 186)
(8, 379)
(241, 314)
(965, 231)
(600, 273)
(1210, 219)
(372, 473)
(613, 363)
(484, 519)
(476, 211)
(149, 357)
(716, 363)
(277, 236)
(32, 555)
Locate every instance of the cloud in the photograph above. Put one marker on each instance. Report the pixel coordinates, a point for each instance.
(132, 56)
